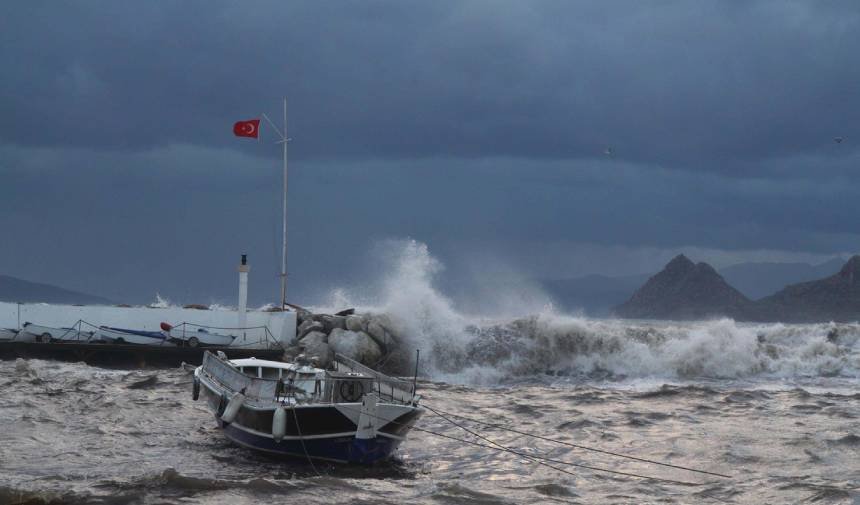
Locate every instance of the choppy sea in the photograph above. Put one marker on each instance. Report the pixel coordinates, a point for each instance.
(776, 408)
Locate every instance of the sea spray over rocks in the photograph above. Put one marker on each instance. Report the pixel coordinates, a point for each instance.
(411, 314)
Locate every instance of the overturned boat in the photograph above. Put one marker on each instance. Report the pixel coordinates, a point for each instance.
(348, 414)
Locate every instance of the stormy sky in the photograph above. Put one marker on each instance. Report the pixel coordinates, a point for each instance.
(479, 128)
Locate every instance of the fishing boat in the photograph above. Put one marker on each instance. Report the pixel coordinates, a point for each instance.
(346, 414)
(8, 333)
(126, 336)
(36, 333)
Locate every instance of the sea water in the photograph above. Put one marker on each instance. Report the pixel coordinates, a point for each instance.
(773, 407)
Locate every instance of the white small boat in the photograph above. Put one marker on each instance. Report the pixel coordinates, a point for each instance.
(37, 333)
(124, 336)
(185, 336)
(7, 334)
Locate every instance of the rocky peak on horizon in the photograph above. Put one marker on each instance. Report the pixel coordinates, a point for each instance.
(851, 270)
(833, 298)
(684, 290)
(688, 290)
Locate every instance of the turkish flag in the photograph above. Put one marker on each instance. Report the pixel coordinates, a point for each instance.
(249, 128)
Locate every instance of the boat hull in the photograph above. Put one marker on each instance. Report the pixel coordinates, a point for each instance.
(337, 449)
(201, 338)
(37, 333)
(118, 335)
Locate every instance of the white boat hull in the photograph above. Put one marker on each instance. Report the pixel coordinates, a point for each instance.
(121, 337)
(204, 338)
(36, 333)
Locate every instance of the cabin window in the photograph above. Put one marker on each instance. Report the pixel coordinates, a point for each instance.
(270, 373)
(250, 371)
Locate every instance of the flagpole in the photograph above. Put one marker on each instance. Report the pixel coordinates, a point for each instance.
(284, 255)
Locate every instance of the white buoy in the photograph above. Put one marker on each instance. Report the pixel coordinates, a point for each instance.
(279, 424)
(233, 407)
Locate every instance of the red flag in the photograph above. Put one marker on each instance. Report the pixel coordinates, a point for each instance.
(248, 128)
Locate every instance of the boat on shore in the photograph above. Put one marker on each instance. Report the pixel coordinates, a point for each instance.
(8, 334)
(36, 333)
(200, 336)
(126, 336)
(347, 414)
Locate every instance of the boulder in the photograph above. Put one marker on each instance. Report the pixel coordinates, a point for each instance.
(379, 333)
(330, 322)
(308, 326)
(315, 344)
(356, 345)
(303, 315)
(355, 323)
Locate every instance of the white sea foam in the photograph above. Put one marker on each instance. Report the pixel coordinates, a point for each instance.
(160, 302)
(467, 348)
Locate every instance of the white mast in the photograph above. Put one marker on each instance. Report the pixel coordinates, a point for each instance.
(284, 255)
(284, 140)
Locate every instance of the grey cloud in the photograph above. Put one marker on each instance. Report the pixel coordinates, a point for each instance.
(472, 126)
(692, 85)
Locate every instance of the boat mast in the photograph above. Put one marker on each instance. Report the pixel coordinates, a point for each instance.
(284, 252)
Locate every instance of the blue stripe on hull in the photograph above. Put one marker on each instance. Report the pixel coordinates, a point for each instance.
(345, 449)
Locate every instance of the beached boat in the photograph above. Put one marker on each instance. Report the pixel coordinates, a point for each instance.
(125, 336)
(351, 414)
(36, 333)
(194, 337)
(7, 334)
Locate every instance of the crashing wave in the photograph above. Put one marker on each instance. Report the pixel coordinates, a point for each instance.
(471, 348)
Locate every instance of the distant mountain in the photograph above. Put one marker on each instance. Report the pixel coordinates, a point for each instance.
(684, 290)
(18, 290)
(834, 298)
(757, 280)
(593, 294)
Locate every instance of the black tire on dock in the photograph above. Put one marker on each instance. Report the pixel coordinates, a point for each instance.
(193, 342)
(46, 337)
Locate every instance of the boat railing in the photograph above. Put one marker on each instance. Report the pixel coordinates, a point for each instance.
(388, 388)
(255, 390)
(264, 391)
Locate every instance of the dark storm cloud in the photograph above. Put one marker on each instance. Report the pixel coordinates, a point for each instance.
(689, 84)
(471, 126)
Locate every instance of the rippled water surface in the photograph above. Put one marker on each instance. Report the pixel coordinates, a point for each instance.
(72, 433)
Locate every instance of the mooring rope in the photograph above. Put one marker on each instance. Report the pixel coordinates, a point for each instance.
(577, 446)
(541, 460)
(302, 440)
